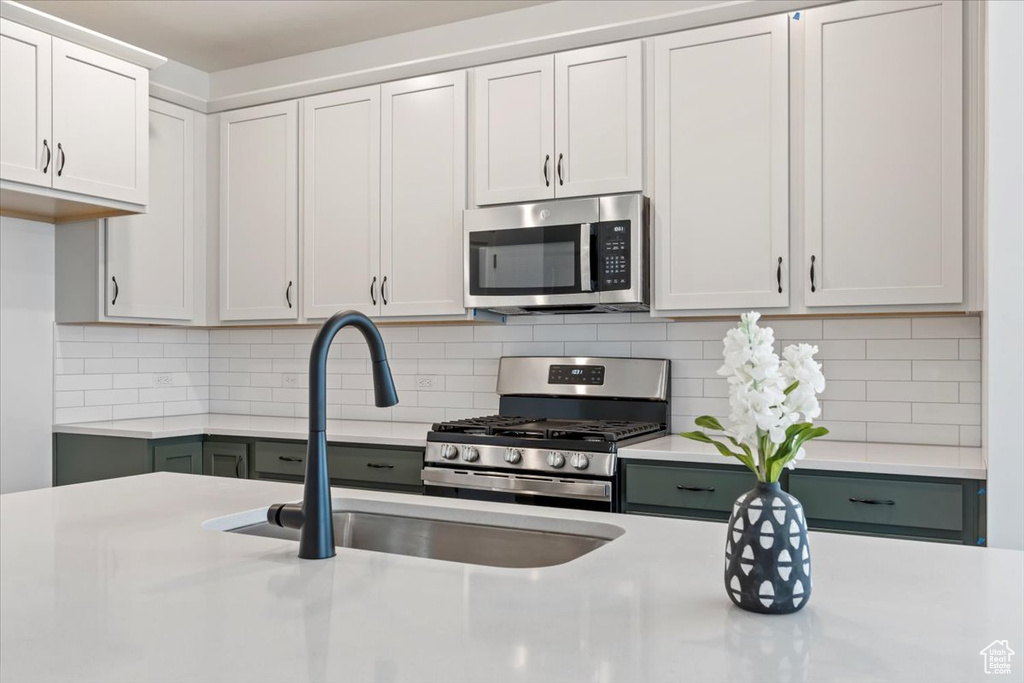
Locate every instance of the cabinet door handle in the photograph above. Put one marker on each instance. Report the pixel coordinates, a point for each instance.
(288, 294)
(547, 158)
(560, 180)
(373, 288)
(49, 155)
(288, 458)
(380, 466)
(813, 289)
(778, 275)
(116, 290)
(872, 501)
(238, 467)
(383, 290)
(705, 489)
(63, 158)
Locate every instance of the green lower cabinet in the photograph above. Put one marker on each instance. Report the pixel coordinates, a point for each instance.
(924, 508)
(226, 459)
(384, 468)
(79, 458)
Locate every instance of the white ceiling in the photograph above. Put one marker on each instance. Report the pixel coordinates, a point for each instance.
(221, 34)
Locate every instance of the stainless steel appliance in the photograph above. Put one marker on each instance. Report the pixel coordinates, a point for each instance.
(555, 440)
(570, 255)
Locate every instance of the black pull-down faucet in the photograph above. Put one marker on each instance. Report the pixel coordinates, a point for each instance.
(313, 516)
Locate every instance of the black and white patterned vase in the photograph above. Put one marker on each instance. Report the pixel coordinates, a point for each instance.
(767, 559)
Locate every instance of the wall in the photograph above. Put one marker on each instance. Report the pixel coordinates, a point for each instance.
(909, 380)
(26, 353)
(1005, 278)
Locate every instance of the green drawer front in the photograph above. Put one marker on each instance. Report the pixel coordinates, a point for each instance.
(280, 458)
(673, 487)
(377, 465)
(914, 504)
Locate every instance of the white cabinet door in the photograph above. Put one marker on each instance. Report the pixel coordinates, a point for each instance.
(341, 203)
(884, 154)
(721, 190)
(26, 149)
(423, 194)
(151, 256)
(598, 120)
(100, 107)
(514, 118)
(259, 213)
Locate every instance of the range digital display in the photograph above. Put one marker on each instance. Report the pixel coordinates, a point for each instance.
(576, 374)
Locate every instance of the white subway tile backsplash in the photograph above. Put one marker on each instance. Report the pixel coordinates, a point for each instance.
(921, 349)
(947, 370)
(947, 327)
(935, 392)
(867, 328)
(107, 365)
(913, 380)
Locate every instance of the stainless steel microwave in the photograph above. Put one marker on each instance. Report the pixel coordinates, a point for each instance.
(564, 256)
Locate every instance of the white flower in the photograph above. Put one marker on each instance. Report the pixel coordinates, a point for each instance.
(800, 367)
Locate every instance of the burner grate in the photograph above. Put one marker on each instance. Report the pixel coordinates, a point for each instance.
(533, 428)
(482, 425)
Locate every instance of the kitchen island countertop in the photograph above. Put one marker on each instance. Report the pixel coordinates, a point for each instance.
(119, 581)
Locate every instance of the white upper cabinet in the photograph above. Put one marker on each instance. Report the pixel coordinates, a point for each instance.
(565, 125)
(721, 152)
(341, 203)
(599, 120)
(26, 147)
(100, 107)
(150, 256)
(423, 194)
(259, 213)
(884, 155)
(514, 114)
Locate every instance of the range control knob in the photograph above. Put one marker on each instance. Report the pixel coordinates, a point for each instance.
(470, 454)
(513, 455)
(579, 461)
(556, 459)
(449, 452)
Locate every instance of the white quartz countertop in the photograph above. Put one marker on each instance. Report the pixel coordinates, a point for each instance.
(844, 456)
(349, 431)
(119, 581)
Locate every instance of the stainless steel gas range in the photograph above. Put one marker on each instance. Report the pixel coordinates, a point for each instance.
(556, 437)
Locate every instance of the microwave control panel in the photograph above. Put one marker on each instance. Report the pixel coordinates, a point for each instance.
(613, 248)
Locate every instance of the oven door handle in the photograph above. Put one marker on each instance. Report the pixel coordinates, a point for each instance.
(536, 486)
(586, 284)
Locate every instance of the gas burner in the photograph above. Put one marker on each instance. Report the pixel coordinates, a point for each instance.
(481, 425)
(540, 428)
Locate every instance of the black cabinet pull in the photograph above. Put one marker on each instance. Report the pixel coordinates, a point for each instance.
(238, 467)
(373, 286)
(705, 489)
(288, 294)
(63, 158)
(778, 275)
(288, 458)
(49, 155)
(383, 291)
(380, 466)
(116, 290)
(547, 158)
(560, 180)
(812, 273)
(872, 501)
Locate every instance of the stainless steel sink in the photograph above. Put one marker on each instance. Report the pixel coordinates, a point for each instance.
(492, 539)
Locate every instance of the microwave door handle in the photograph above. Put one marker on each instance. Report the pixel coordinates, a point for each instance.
(585, 281)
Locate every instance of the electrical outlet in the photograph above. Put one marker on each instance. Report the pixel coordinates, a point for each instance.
(425, 382)
(290, 379)
(164, 381)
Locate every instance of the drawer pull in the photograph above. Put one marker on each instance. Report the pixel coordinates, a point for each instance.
(380, 466)
(705, 489)
(872, 501)
(286, 458)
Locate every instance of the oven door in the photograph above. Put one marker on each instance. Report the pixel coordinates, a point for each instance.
(524, 489)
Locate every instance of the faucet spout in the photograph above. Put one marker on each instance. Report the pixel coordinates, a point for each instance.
(313, 517)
